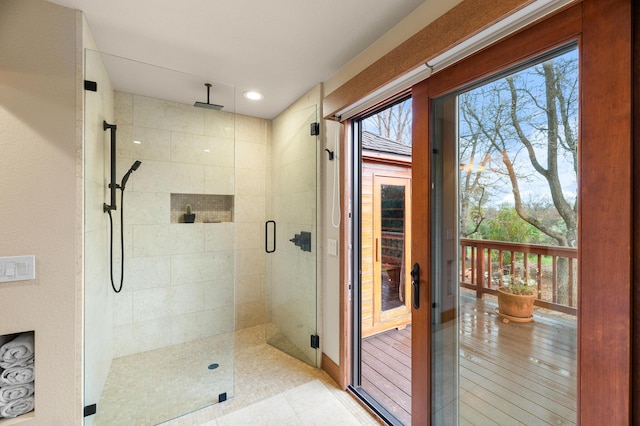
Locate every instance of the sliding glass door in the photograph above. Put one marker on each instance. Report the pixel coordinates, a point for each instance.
(521, 190)
(382, 324)
(504, 225)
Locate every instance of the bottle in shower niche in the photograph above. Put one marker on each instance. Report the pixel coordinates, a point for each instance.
(17, 379)
(188, 216)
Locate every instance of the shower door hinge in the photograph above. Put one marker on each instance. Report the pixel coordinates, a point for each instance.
(315, 129)
(315, 341)
(90, 410)
(90, 85)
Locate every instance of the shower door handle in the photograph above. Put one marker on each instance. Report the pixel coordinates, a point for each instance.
(266, 236)
(415, 285)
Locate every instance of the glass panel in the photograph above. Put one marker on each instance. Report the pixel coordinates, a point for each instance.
(381, 370)
(164, 345)
(291, 268)
(505, 222)
(392, 221)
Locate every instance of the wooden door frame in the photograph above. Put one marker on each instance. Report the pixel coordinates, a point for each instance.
(636, 215)
(603, 30)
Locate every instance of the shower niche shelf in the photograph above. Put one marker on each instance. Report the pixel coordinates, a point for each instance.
(208, 208)
(17, 377)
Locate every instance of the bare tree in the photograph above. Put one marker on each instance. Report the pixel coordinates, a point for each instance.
(530, 120)
(393, 123)
(533, 114)
(475, 156)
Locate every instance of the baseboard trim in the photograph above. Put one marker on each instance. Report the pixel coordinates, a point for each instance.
(447, 316)
(331, 368)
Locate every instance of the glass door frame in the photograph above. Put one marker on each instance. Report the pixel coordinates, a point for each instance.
(353, 265)
(605, 256)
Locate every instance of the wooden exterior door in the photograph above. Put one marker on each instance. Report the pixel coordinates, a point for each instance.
(602, 30)
(392, 238)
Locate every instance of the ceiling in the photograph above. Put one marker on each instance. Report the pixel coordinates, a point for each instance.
(282, 48)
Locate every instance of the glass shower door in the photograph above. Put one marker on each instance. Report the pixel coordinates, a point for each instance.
(164, 345)
(291, 241)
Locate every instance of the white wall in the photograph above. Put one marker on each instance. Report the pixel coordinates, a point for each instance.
(330, 263)
(424, 15)
(40, 182)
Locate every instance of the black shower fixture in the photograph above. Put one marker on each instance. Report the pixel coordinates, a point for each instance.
(132, 169)
(208, 104)
(112, 186)
(108, 207)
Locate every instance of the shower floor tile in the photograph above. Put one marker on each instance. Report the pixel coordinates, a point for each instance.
(150, 387)
(271, 388)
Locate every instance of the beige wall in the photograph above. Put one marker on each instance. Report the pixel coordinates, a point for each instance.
(425, 14)
(39, 138)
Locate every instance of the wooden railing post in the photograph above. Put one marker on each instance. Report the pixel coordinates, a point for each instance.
(480, 266)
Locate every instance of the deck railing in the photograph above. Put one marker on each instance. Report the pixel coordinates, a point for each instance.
(486, 265)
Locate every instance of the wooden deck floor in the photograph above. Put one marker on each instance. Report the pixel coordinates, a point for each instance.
(509, 374)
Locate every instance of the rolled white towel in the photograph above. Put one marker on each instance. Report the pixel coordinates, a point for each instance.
(17, 407)
(13, 392)
(17, 375)
(17, 351)
(6, 338)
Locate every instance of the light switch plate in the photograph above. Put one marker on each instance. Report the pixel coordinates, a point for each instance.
(17, 268)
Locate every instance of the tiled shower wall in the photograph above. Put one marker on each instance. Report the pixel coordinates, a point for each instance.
(179, 278)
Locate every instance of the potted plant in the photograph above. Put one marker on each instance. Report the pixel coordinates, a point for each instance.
(515, 299)
(188, 216)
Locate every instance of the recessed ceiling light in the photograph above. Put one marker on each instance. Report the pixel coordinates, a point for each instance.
(207, 150)
(253, 95)
(137, 142)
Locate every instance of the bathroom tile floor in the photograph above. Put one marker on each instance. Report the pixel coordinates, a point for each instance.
(271, 388)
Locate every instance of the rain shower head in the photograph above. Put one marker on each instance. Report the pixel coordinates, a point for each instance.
(208, 104)
(132, 169)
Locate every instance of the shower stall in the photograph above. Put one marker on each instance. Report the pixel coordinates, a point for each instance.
(164, 345)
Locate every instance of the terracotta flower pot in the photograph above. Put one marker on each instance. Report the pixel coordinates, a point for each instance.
(515, 307)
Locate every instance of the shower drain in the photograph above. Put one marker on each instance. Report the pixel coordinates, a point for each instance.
(213, 366)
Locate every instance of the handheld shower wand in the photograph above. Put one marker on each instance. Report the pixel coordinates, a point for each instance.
(132, 169)
(125, 178)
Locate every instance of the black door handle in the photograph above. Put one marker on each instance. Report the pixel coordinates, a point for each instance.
(266, 236)
(415, 284)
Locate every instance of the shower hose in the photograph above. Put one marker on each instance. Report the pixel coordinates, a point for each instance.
(113, 286)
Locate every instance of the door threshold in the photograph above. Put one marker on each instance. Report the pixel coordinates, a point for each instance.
(369, 402)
